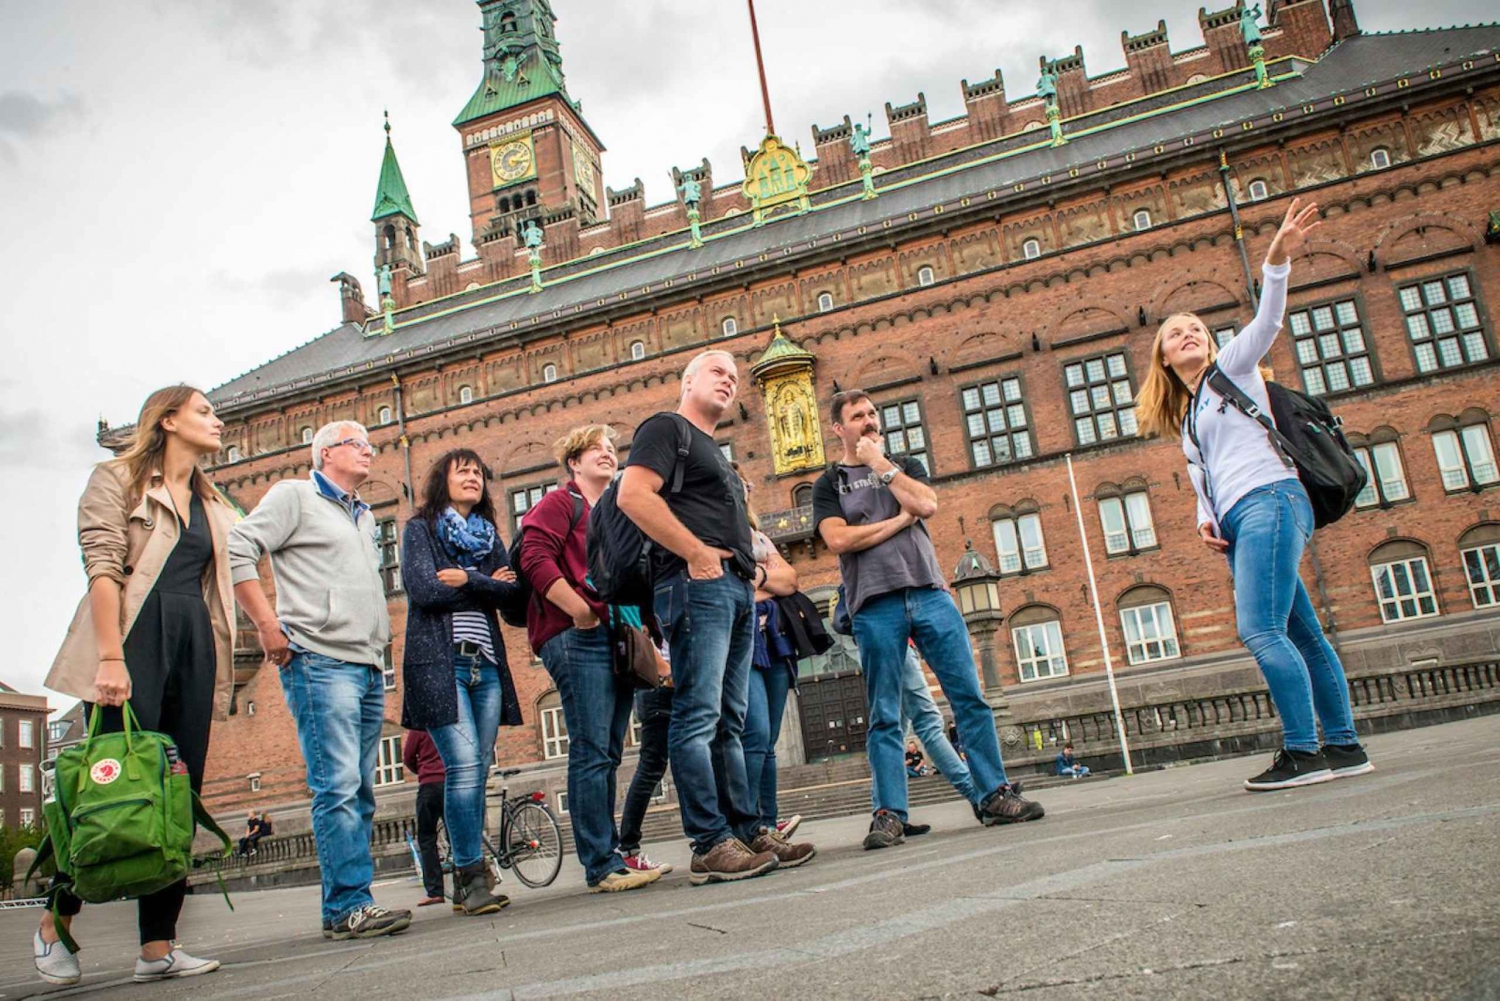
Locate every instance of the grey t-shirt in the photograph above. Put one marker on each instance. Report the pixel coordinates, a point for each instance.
(906, 559)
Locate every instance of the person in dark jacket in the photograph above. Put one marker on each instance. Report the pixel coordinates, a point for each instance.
(458, 685)
(1066, 765)
(421, 758)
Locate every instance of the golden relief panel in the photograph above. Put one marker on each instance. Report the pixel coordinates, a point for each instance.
(796, 431)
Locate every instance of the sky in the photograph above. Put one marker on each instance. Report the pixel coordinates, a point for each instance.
(180, 178)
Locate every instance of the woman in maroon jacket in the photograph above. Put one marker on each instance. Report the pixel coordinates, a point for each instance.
(421, 758)
(567, 627)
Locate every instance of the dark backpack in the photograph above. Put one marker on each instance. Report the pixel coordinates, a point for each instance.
(619, 553)
(513, 610)
(1309, 438)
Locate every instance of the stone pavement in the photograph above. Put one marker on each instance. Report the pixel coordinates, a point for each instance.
(1171, 884)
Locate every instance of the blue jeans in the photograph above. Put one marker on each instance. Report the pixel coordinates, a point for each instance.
(763, 715)
(653, 710)
(882, 626)
(467, 747)
(710, 630)
(596, 708)
(1267, 529)
(927, 723)
(338, 708)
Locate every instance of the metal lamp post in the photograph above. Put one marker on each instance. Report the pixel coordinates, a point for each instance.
(977, 588)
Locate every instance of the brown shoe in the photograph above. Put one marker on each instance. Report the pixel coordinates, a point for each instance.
(729, 860)
(787, 854)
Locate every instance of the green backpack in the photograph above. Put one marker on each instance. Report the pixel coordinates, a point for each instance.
(120, 817)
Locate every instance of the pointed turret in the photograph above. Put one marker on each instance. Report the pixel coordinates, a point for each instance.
(394, 218)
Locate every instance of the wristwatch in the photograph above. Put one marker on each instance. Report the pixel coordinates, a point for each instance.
(889, 475)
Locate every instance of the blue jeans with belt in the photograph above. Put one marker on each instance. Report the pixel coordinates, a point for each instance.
(467, 747)
(1267, 530)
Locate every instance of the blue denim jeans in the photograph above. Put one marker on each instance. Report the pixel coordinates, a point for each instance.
(653, 710)
(882, 626)
(918, 707)
(596, 708)
(763, 714)
(338, 708)
(467, 747)
(710, 630)
(1267, 529)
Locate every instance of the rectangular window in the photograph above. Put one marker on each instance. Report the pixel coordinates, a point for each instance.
(1482, 569)
(523, 499)
(726, 449)
(1127, 522)
(996, 422)
(27, 777)
(1387, 475)
(554, 733)
(1150, 633)
(1404, 589)
(1101, 398)
(1019, 543)
(388, 669)
(904, 432)
(1223, 335)
(28, 816)
(390, 555)
(388, 769)
(1465, 457)
(1442, 322)
(1039, 651)
(24, 737)
(1332, 349)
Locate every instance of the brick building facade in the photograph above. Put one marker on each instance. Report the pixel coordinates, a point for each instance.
(23, 747)
(997, 298)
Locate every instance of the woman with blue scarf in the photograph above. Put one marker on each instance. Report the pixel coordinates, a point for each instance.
(457, 684)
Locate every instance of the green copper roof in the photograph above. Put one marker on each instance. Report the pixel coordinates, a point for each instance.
(530, 78)
(391, 197)
(781, 352)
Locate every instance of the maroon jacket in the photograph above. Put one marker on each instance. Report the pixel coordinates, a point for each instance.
(546, 556)
(421, 758)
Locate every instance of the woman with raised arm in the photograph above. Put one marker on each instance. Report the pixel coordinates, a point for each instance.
(1254, 509)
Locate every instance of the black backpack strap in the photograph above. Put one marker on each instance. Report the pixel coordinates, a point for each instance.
(684, 445)
(577, 513)
(1236, 397)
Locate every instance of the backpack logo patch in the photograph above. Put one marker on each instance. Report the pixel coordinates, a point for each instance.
(105, 771)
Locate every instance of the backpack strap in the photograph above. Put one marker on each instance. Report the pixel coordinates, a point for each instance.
(206, 821)
(577, 512)
(684, 445)
(60, 882)
(1236, 397)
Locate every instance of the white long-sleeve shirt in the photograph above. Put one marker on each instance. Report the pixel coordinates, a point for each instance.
(1235, 452)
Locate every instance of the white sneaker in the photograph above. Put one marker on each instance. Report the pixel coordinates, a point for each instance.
(54, 963)
(174, 964)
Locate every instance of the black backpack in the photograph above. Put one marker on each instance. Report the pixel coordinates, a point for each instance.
(619, 553)
(513, 610)
(1309, 438)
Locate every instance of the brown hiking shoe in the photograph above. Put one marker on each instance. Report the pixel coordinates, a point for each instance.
(787, 854)
(729, 860)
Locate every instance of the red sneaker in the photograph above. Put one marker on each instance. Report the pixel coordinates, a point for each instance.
(786, 828)
(638, 861)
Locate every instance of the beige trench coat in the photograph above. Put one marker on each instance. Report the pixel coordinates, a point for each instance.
(130, 546)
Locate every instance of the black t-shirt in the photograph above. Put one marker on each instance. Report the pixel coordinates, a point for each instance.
(711, 503)
(913, 759)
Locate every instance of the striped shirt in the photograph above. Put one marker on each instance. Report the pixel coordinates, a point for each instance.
(474, 627)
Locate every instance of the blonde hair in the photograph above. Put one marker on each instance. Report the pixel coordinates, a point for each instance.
(749, 507)
(579, 440)
(148, 445)
(1163, 399)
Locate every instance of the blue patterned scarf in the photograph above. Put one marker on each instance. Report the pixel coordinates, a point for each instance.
(467, 541)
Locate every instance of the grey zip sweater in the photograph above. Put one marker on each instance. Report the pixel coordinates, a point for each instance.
(329, 595)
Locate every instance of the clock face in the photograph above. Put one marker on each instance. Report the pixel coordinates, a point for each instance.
(583, 170)
(512, 160)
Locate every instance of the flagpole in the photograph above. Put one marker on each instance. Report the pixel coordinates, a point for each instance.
(760, 67)
(1109, 667)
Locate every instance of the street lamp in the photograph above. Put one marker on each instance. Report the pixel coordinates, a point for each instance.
(977, 586)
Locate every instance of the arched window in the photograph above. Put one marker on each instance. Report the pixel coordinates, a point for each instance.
(730, 326)
(1479, 548)
(531, 197)
(1036, 632)
(1141, 220)
(825, 301)
(925, 276)
(1125, 514)
(390, 236)
(411, 239)
(307, 436)
(1150, 629)
(465, 394)
(233, 454)
(554, 727)
(507, 22)
(1020, 547)
(1031, 249)
(549, 372)
(505, 204)
(1258, 190)
(1380, 454)
(1380, 158)
(1403, 582)
(802, 495)
(383, 416)
(637, 350)
(1465, 453)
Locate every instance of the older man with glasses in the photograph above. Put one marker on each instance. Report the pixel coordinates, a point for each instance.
(327, 635)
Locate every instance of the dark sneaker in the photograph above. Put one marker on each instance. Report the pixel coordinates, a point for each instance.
(1290, 769)
(729, 860)
(1346, 760)
(1005, 806)
(788, 855)
(885, 831)
(371, 921)
(327, 928)
(915, 830)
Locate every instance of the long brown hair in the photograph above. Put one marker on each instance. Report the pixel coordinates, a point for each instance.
(1164, 397)
(148, 445)
(435, 499)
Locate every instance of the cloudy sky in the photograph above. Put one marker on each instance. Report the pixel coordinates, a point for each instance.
(179, 178)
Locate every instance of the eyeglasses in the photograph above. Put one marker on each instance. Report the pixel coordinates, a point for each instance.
(360, 445)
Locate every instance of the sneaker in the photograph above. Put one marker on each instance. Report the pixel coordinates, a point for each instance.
(788, 855)
(176, 963)
(638, 861)
(915, 830)
(729, 860)
(1290, 769)
(327, 928)
(1005, 806)
(1347, 760)
(786, 828)
(54, 963)
(625, 879)
(885, 831)
(370, 921)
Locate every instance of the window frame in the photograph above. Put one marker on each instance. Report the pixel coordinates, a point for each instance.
(552, 727)
(1339, 331)
(925, 452)
(1087, 387)
(1121, 496)
(1490, 583)
(1005, 405)
(307, 434)
(828, 307)
(931, 276)
(389, 768)
(388, 666)
(385, 415)
(388, 537)
(1405, 560)
(25, 777)
(232, 454)
(1052, 623)
(637, 350)
(1154, 598)
(465, 394)
(1027, 246)
(549, 373)
(1364, 448)
(25, 733)
(1430, 339)
(1459, 428)
(1377, 151)
(525, 488)
(1135, 220)
(729, 327)
(27, 817)
(1265, 190)
(1014, 516)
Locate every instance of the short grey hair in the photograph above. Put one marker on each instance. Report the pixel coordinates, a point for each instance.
(331, 434)
(697, 363)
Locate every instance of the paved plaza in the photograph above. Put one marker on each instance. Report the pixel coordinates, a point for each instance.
(1171, 884)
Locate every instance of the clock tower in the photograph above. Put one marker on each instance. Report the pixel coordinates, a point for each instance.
(528, 153)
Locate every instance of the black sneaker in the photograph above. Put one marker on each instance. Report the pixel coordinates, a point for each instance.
(915, 830)
(1347, 760)
(327, 928)
(1290, 769)
(885, 831)
(1005, 806)
(370, 921)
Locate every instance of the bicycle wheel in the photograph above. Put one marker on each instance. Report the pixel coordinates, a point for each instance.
(534, 844)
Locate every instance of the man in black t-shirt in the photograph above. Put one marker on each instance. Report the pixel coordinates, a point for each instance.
(704, 597)
(870, 510)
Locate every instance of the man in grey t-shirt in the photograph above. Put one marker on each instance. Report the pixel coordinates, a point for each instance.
(869, 509)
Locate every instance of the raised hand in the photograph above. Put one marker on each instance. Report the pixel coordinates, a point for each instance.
(1292, 235)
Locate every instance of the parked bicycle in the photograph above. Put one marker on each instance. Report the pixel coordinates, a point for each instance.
(530, 838)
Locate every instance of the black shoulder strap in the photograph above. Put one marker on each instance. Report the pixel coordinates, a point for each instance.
(684, 446)
(577, 512)
(1237, 398)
